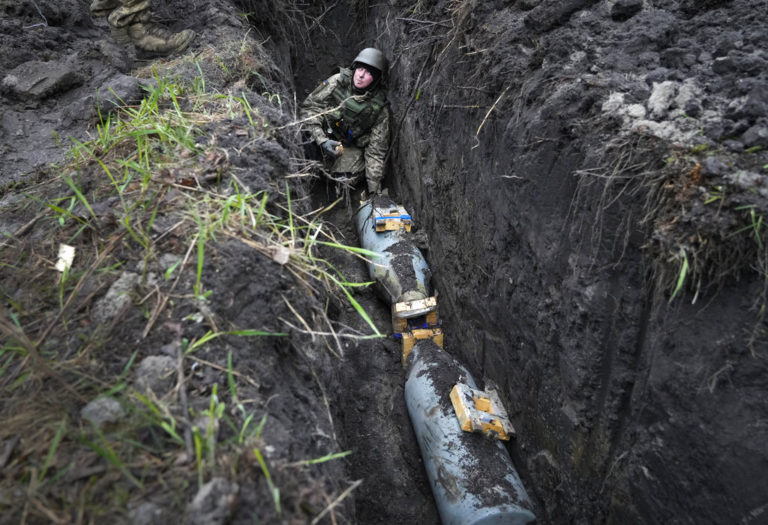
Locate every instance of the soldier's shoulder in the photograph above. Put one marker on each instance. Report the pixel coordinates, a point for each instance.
(380, 95)
(334, 79)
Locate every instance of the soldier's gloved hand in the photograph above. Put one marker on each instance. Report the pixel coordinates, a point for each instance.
(329, 147)
(374, 188)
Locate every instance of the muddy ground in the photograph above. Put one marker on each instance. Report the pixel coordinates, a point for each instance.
(591, 176)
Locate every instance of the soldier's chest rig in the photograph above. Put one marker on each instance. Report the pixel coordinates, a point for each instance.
(352, 123)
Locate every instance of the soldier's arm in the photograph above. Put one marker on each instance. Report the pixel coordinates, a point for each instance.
(376, 150)
(315, 105)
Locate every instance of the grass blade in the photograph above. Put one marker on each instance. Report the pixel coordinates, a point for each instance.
(360, 310)
(272, 488)
(80, 196)
(681, 276)
(328, 457)
(52, 449)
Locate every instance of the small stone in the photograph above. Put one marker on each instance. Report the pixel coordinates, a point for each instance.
(623, 10)
(117, 298)
(713, 166)
(548, 15)
(102, 411)
(756, 105)
(704, 57)
(748, 181)
(735, 128)
(118, 91)
(148, 513)
(661, 99)
(636, 111)
(676, 57)
(733, 145)
(757, 135)
(723, 65)
(156, 374)
(738, 62)
(714, 130)
(688, 93)
(37, 80)
(214, 503)
(660, 74)
(692, 108)
(662, 130)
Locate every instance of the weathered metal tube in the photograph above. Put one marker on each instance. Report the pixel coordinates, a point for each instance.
(472, 476)
(400, 271)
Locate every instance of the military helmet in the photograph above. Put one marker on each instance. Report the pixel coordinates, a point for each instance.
(370, 56)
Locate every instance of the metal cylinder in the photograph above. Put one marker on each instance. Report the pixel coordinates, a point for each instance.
(472, 476)
(400, 271)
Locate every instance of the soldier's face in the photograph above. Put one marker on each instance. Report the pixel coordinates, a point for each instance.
(362, 78)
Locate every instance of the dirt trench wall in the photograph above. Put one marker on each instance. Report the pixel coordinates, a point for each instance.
(629, 408)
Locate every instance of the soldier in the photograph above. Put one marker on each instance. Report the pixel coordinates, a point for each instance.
(130, 24)
(348, 118)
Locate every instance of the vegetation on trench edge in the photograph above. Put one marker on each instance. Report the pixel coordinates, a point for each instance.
(699, 231)
(146, 160)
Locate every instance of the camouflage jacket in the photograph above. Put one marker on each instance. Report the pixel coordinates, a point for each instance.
(360, 122)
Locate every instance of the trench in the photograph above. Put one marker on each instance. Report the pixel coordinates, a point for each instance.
(552, 301)
(371, 407)
(370, 402)
(630, 407)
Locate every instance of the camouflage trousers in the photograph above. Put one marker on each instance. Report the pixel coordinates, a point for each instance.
(121, 13)
(130, 22)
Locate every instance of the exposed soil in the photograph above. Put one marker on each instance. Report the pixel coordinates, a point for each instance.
(566, 159)
(592, 179)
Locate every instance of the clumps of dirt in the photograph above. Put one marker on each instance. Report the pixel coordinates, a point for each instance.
(402, 265)
(487, 478)
(708, 100)
(442, 370)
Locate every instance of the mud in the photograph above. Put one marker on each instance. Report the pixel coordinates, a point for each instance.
(567, 159)
(402, 266)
